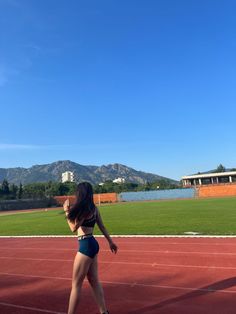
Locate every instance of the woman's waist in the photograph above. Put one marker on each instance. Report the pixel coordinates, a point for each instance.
(85, 236)
(84, 230)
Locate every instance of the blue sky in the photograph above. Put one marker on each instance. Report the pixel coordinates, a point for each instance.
(146, 83)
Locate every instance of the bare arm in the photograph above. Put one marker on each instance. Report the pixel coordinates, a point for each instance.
(73, 225)
(104, 231)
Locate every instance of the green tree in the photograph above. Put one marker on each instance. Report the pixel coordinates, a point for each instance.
(220, 168)
(70, 187)
(13, 191)
(20, 191)
(147, 186)
(5, 188)
(34, 191)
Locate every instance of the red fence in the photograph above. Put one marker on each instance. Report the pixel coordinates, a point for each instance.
(98, 198)
(217, 190)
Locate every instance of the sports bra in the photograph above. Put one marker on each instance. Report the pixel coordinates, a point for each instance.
(90, 222)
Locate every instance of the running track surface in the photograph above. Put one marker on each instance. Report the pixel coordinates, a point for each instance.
(148, 275)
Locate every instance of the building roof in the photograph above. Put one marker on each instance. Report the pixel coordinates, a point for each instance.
(210, 175)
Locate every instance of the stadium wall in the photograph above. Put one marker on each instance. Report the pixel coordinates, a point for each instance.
(217, 190)
(98, 198)
(26, 204)
(158, 195)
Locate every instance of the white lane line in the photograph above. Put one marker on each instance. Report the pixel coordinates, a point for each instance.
(37, 249)
(125, 236)
(132, 284)
(37, 259)
(35, 276)
(174, 243)
(170, 287)
(153, 264)
(173, 252)
(171, 265)
(151, 243)
(121, 251)
(30, 308)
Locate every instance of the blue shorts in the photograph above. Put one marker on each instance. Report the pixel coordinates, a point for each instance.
(89, 247)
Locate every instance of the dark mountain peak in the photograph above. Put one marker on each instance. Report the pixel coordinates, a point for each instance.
(93, 174)
(63, 163)
(117, 166)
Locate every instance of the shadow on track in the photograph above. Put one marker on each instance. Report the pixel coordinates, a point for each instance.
(217, 286)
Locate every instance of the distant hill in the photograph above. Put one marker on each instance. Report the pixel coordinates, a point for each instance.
(215, 170)
(93, 174)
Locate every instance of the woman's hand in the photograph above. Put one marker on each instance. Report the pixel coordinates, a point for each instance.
(113, 247)
(66, 206)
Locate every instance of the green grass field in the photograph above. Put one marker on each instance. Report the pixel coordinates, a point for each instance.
(206, 216)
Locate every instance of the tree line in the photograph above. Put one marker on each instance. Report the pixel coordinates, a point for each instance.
(35, 190)
(109, 186)
(50, 189)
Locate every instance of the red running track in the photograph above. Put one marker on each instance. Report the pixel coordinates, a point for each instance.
(148, 275)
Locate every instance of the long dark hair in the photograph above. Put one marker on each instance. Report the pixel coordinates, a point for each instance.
(84, 205)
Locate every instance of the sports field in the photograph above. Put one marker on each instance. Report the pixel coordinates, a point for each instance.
(168, 275)
(204, 216)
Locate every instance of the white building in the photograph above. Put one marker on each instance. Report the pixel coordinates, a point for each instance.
(209, 178)
(67, 176)
(119, 180)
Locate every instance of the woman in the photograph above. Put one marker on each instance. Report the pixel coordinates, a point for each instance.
(82, 217)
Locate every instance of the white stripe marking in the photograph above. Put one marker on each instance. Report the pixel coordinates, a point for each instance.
(123, 243)
(35, 276)
(121, 250)
(153, 264)
(125, 236)
(132, 284)
(30, 308)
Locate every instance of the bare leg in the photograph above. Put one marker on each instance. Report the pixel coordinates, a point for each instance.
(96, 286)
(80, 270)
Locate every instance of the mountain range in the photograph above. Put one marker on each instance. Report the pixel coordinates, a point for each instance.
(93, 174)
